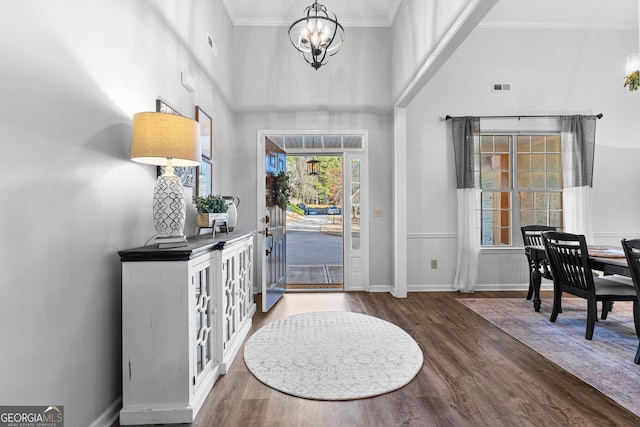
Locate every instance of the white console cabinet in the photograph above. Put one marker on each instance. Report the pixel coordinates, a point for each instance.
(185, 314)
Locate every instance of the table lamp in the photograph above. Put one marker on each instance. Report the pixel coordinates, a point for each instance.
(167, 140)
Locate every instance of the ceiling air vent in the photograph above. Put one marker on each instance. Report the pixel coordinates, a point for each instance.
(501, 87)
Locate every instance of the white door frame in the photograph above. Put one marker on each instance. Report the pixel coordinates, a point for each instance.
(363, 153)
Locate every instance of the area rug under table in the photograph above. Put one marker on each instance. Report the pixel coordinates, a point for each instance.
(332, 356)
(605, 362)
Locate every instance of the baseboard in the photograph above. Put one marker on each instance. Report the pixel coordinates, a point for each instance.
(481, 287)
(108, 417)
(380, 288)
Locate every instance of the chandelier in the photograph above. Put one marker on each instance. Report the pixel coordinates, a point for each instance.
(317, 35)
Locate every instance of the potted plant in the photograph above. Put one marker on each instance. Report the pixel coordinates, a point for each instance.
(211, 207)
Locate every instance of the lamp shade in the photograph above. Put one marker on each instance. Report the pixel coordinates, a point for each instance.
(158, 137)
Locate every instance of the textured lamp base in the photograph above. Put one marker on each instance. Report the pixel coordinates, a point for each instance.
(169, 207)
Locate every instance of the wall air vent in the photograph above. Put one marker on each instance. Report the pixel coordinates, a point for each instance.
(501, 87)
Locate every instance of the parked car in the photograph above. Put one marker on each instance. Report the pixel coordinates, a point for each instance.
(334, 210)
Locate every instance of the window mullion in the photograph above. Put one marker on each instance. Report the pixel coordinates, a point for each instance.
(515, 194)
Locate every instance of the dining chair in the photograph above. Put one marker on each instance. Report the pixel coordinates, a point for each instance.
(532, 236)
(632, 253)
(569, 260)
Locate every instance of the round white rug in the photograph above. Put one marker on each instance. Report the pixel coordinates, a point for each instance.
(332, 356)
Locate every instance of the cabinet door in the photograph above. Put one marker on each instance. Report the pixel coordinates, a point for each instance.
(245, 281)
(203, 331)
(229, 295)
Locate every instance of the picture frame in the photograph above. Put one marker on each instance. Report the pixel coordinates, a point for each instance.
(206, 133)
(188, 174)
(163, 107)
(204, 187)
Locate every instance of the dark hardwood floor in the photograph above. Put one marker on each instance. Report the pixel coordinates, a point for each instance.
(473, 375)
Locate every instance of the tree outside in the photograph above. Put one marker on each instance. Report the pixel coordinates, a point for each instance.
(324, 189)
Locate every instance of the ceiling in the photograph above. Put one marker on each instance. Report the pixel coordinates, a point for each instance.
(593, 14)
(350, 13)
(570, 14)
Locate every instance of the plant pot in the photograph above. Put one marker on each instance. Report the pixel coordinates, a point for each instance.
(206, 219)
(202, 220)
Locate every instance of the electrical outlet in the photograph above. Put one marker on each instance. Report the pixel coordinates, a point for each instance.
(434, 263)
(377, 212)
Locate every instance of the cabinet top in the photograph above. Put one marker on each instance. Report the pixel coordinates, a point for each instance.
(196, 245)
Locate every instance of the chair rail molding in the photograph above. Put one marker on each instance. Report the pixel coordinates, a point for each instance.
(432, 235)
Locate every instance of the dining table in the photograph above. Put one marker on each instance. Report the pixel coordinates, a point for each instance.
(606, 259)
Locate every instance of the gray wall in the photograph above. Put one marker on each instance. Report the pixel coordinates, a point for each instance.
(275, 89)
(551, 72)
(72, 75)
(418, 28)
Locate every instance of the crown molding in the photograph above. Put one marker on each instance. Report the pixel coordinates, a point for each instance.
(286, 22)
(555, 26)
(273, 22)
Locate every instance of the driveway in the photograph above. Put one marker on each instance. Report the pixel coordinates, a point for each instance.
(307, 245)
(313, 248)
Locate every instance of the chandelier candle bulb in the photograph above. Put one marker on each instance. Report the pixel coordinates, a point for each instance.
(317, 35)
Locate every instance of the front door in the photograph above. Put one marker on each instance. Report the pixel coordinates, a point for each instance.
(274, 281)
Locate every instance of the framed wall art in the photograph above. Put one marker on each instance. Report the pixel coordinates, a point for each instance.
(206, 133)
(204, 178)
(163, 107)
(188, 174)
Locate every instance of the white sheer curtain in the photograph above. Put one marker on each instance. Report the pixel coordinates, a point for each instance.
(465, 130)
(578, 139)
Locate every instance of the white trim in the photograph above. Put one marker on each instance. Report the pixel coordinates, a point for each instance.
(619, 234)
(109, 416)
(286, 23)
(400, 203)
(260, 194)
(502, 250)
(364, 185)
(555, 26)
(381, 288)
(486, 287)
(432, 235)
(362, 254)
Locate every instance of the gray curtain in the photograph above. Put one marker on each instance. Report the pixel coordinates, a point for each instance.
(465, 130)
(578, 141)
(578, 146)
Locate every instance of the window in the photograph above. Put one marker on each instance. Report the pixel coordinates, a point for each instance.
(520, 178)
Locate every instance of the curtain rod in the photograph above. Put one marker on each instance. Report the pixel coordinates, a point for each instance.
(447, 117)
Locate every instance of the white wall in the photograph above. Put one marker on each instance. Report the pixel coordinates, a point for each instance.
(275, 89)
(551, 72)
(72, 74)
(270, 74)
(419, 30)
